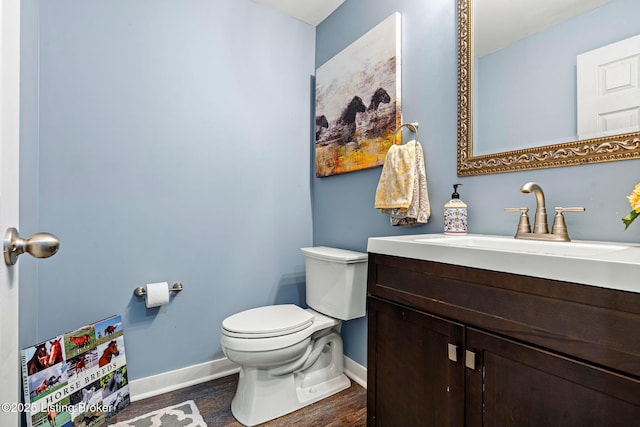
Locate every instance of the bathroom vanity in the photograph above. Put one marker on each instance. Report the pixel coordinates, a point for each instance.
(482, 331)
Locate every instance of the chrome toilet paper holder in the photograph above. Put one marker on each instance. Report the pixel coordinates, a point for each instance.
(140, 291)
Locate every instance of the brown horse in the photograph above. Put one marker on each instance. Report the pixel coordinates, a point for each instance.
(39, 361)
(42, 387)
(81, 363)
(109, 330)
(109, 352)
(80, 341)
(51, 417)
(55, 352)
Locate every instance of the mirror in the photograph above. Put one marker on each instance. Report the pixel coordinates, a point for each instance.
(520, 138)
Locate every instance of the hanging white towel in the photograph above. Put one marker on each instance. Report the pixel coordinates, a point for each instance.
(402, 191)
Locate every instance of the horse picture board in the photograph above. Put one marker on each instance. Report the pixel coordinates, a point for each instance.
(77, 378)
(358, 101)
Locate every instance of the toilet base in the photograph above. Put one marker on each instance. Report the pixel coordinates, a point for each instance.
(261, 396)
(313, 394)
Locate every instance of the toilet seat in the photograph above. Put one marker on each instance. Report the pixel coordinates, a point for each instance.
(267, 322)
(285, 331)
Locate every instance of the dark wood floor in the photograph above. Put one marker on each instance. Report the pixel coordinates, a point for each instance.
(213, 398)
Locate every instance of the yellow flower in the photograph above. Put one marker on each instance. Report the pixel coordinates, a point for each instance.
(634, 201)
(634, 198)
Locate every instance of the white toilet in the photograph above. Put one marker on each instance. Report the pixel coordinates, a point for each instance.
(290, 357)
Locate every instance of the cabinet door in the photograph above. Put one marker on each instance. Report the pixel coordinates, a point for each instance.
(412, 379)
(514, 384)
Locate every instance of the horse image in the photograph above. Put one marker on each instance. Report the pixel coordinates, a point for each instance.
(88, 419)
(55, 355)
(348, 116)
(39, 361)
(109, 330)
(42, 387)
(87, 394)
(379, 97)
(80, 341)
(118, 401)
(321, 123)
(114, 382)
(109, 352)
(53, 380)
(51, 417)
(81, 363)
(344, 129)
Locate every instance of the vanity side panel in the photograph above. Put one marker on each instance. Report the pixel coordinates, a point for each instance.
(594, 324)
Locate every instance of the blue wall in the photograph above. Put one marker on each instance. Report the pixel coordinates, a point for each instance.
(172, 144)
(343, 213)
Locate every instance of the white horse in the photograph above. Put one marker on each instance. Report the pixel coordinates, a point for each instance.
(87, 394)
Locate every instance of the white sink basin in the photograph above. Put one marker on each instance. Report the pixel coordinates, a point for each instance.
(603, 264)
(502, 243)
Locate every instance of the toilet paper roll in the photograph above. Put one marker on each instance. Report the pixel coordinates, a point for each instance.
(157, 294)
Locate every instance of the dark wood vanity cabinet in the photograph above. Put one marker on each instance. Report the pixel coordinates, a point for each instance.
(415, 383)
(458, 346)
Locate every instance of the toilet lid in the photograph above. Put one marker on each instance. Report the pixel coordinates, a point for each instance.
(269, 321)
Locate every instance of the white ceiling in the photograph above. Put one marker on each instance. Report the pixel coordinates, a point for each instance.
(498, 23)
(310, 11)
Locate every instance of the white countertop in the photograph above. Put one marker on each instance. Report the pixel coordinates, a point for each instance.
(603, 264)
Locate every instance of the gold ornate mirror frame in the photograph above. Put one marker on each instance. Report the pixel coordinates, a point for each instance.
(606, 149)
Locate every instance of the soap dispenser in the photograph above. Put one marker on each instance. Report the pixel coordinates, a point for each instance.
(455, 214)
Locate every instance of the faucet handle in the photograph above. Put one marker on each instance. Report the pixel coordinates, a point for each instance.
(559, 226)
(523, 225)
(559, 210)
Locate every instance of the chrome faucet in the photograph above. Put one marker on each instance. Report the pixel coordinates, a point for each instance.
(540, 227)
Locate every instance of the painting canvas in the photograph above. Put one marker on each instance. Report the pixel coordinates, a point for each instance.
(358, 102)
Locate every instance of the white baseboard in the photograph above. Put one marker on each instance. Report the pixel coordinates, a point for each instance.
(174, 380)
(355, 371)
(154, 385)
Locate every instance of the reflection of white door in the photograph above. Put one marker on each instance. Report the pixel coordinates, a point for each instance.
(608, 91)
(9, 137)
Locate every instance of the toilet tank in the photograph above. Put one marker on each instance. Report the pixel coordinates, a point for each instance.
(336, 281)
